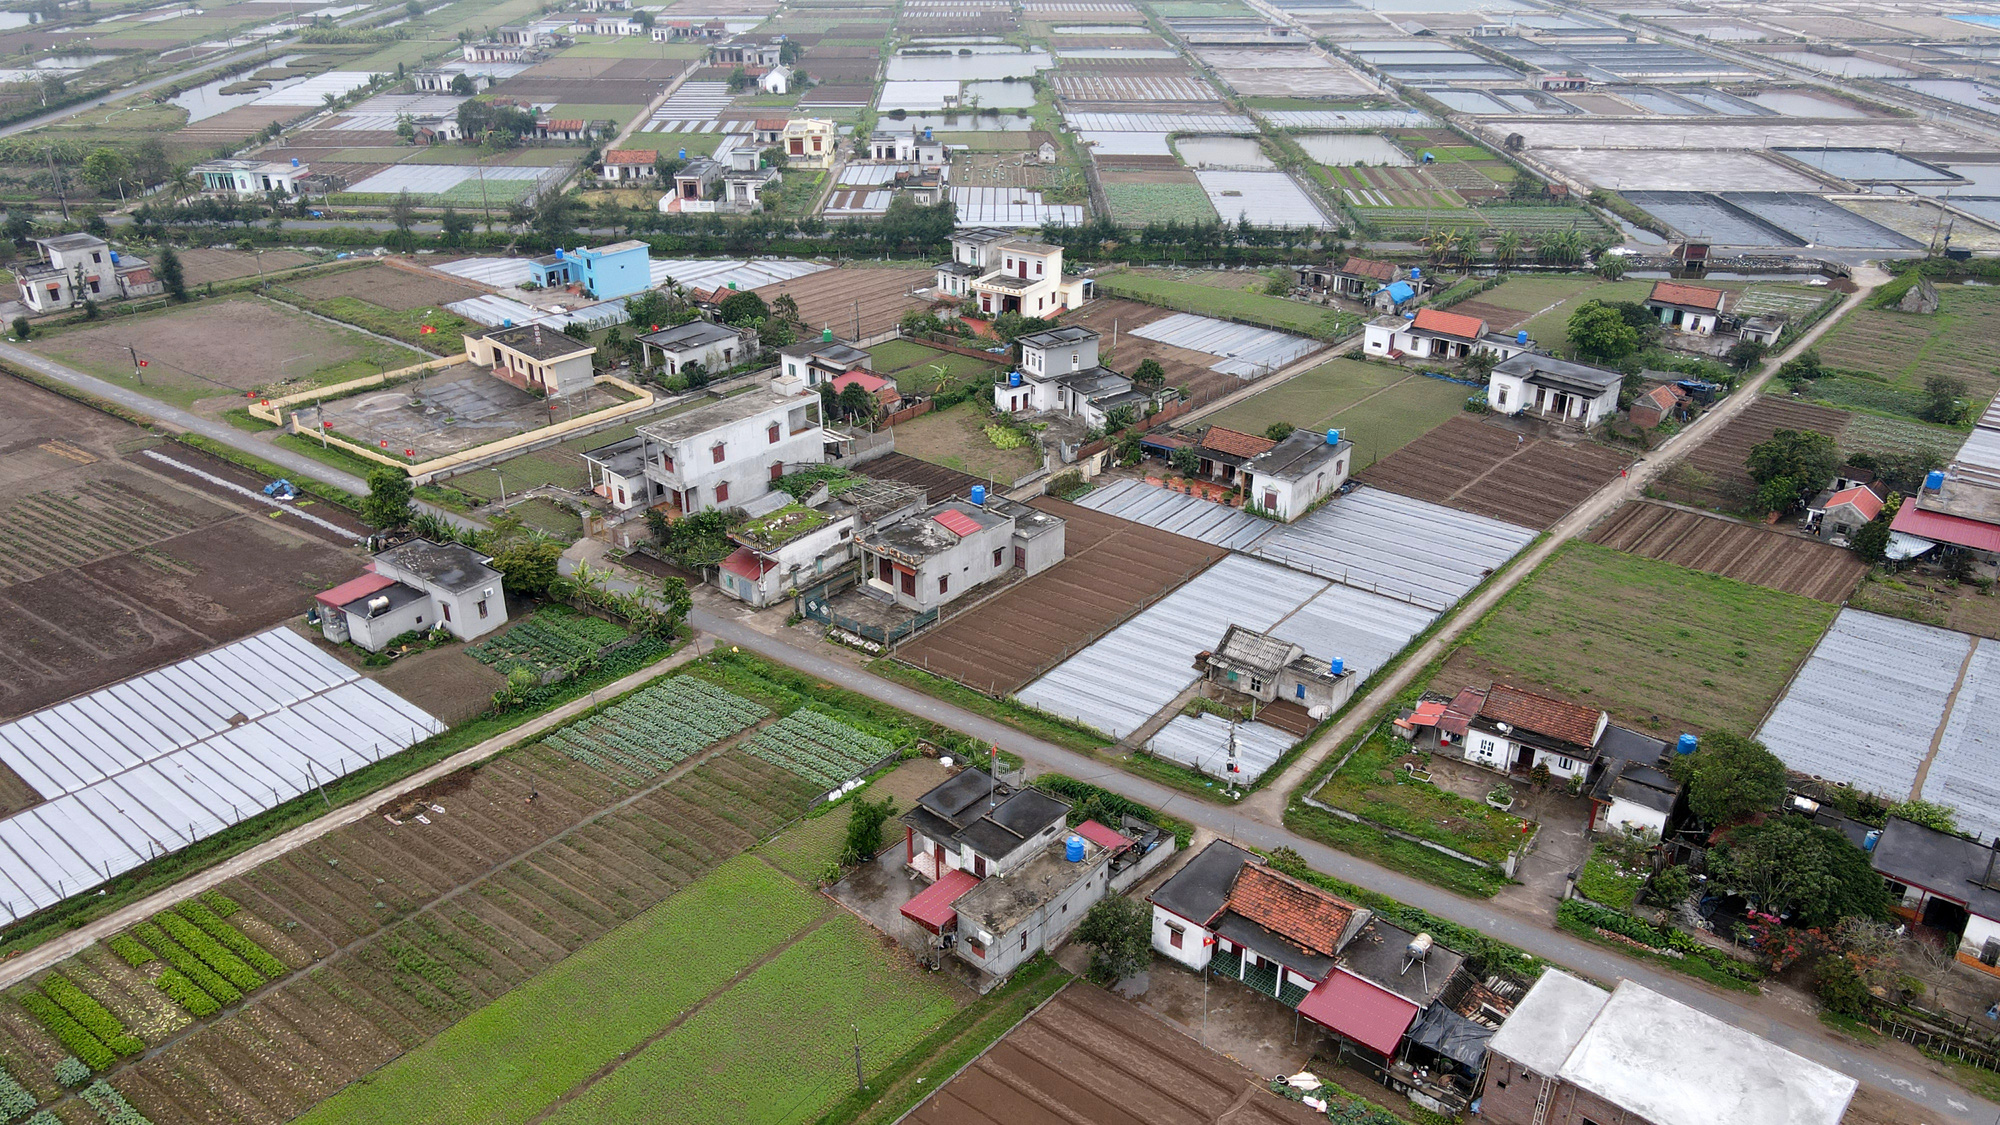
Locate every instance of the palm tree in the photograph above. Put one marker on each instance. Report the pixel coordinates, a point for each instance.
(1507, 248)
(182, 182)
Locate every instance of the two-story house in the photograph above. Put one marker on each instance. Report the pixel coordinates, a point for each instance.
(726, 454)
(412, 587)
(1286, 480)
(747, 52)
(605, 272)
(245, 178)
(971, 251)
(1519, 730)
(798, 542)
(934, 556)
(717, 347)
(1557, 390)
(82, 267)
(1059, 373)
(914, 146)
(823, 360)
(1435, 334)
(534, 358)
(810, 142)
(1026, 277)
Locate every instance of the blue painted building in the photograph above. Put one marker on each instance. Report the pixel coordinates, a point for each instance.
(606, 272)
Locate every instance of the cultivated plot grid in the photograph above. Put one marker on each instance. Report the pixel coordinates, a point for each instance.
(1181, 514)
(435, 179)
(1407, 549)
(1347, 118)
(693, 102)
(1124, 679)
(1866, 704)
(1159, 122)
(158, 762)
(1246, 351)
(1201, 742)
(1011, 207)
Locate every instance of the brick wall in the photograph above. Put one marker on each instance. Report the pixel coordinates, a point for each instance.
(1510, 1093)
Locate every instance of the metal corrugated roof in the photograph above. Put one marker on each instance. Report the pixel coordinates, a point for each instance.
(957, 522)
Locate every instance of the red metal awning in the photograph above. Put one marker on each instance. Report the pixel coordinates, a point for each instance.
(957, 522)
(1110, 839)
(931, 908)
(354, 588)
(1347, 1005)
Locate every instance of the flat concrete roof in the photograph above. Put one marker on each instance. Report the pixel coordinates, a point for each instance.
(735, 408)
(1549, 1022)
(1672, 1065)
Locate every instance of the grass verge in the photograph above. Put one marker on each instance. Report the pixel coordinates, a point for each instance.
(1027, 720)
(1672, 950)
(1395, 852)
(307, 485)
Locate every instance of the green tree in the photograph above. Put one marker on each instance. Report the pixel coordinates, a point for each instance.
(106, 168)
(698, 540)
(456, 226)
(675, 602)
(1801, 369)
(1670, 886)
(463, 86)
(387, 504)
(856, 402)
(1744, 355)
(529, 564)
(1871, 543)
(648, 311)
(406, 128)
(864, 829)
(741, 308)
(1944, 399)
(1731, 777)
(1149, 374)
(1279, 431)
(785, 310)
(23, 329)
(1184, 461)
(1611, 267)
(1599, 331)
(1943, 818)
(1792, 867)
(149, 162)
(1791, 466)
(403, 211)
(1119, 932)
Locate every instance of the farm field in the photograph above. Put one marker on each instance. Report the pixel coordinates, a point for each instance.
(918, 368)
(956, 439)
(1662, 647)
(547, 641)
(206, 354)
(497, 939)
(876, 296)
(1116, 318)
(1137, 204)
(1722, 456)
(116, 562)
(1166, 288)
(1962, 340)
(1379, 407)
(1485, 468)
(1758, 555)
(1112, 568)
(205, 264)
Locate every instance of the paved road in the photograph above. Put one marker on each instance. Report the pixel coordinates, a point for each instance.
(1246, 827)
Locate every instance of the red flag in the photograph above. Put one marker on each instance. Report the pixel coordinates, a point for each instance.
(410, 453)
(326, 425)
(144, 362)
(385, 443)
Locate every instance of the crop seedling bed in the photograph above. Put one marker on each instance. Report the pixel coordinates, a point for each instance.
(555, 637)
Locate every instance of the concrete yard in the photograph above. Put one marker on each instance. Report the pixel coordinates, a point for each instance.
(449, 411)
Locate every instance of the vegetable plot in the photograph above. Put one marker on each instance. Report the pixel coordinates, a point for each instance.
(658, 728)
(818, 749)
(553, 638)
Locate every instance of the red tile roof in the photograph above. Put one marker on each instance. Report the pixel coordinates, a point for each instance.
(1663, 397)
(931, 907)
(1863, 498)
(1459, 712)
(1367, 267)
(868, 382)
(1110, 839)
(1362, 1012)
(354, 589)
(770, 124)
(1234, 442)
(1693, 296)
(1450, 324)
(744, 562)
(566, 124)
(1551, 718)
(957, 522)
(1305, 914)
(630, 156)
(1942, 528)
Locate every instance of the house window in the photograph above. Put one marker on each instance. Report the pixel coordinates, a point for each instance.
(1256, 684)
(1300, 690)
(1500, 397)
(621, 495)
(997, 553)
(1024, 941)
(944, 582)
(772, 433)
(482, 607)
(777, 470)
(1565, 763)
(1174, 935)
(1270, 501)
(910, 584)
(1038, 268)
(667, 462)
(979, 865)
(447, 610)
(716, 453)
(722, 492)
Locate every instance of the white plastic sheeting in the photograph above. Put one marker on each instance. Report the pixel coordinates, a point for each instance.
(1011, 207)
(695, 101)
(1269, 199)
(1866, 704)
(151, 765)
(1160, 122)
(1407, 549)
(1177, 512)
(1130, 673)
(422, 179)
(1357, 627)
(1965, 773)
(313, 91)
(1201, 742)
(1246, 351)
(720, 273)
(1347, 118)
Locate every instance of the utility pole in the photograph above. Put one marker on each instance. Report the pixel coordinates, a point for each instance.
(136, 373)
(860, 1081)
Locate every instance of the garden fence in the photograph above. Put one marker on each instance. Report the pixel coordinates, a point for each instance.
(1939, 1042)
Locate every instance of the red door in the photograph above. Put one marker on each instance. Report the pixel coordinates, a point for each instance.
(1024, 268)
(883, 570)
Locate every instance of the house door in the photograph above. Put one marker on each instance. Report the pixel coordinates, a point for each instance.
(1022, 265)
(798, 146)
(1524, 758)
(884, 572)
(937, 854)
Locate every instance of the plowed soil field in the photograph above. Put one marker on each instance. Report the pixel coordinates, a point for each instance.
(1112, 569)
(1722, 456)
(1759, 555)
(1491, 470)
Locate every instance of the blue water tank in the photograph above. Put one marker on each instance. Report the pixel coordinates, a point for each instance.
(684, 154)
(927, 132)
(1416, 272)
(1073, 849)
(114, 257)
(979, 496)
(1333, 437)
(559, 253)
(1013, 378)
(1521, 337)
(1338, 665)
(1409, 316)
(295, 161)
(1933, 480)
(1686, 745)
(507, 323)
(1869, 841)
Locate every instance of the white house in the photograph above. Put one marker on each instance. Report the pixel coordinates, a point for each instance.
(795, 543)
(1945, 882)
(1269, 668)
(941, 553)
(912, 147)
(626, 165)
(1286, 480)
(1633, 790)
(726, 454)
(250, 177)
(777, 80)
(823, 360)
(534, 358)
(1694, 309)
(1519, 730)
(810, 142)
(414, 587)
(1434, 334)
(1574, 394)
(1059, 373)
(1001, 272)
(82, 267)
(717, 347)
